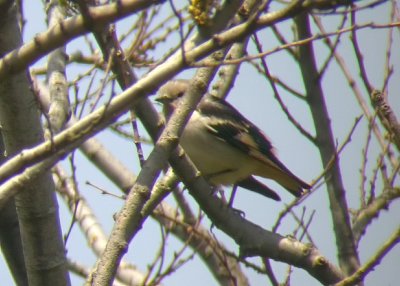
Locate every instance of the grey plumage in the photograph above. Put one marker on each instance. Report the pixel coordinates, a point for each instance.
(226, 147)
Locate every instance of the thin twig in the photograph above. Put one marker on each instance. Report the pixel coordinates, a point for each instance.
(374, 261)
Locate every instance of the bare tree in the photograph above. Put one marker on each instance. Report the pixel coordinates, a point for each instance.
(319, 77)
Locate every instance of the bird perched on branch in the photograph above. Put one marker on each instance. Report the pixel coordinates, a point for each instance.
(226, 147)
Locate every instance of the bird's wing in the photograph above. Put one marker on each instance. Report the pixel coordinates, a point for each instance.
(226, 123)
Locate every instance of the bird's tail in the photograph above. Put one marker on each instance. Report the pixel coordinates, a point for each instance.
(286, 179)
(254, 185)
(292, 183)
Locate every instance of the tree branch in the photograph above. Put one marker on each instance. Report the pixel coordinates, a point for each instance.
(348, 256)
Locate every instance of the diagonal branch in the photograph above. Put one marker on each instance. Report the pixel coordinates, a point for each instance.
(374, 261)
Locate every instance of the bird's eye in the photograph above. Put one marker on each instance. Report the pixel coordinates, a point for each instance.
(180, 94)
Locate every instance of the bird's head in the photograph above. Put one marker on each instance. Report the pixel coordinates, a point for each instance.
(171, 93)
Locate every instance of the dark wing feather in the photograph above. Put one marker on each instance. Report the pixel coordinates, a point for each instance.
(231, 126)
(228, 124)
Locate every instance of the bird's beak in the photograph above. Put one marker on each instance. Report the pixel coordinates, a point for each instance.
(162, 98)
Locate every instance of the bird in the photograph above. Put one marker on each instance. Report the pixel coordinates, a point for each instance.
(226, 147)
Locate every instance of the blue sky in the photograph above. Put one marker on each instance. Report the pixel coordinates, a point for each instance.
(253, 96)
